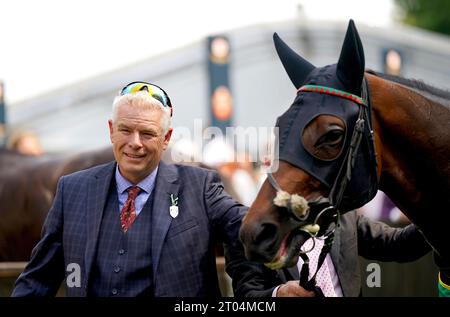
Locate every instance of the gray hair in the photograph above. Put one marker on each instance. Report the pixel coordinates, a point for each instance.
(142, 99)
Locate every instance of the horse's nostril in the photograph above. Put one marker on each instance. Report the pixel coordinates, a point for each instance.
(267, 233)
(259, 241)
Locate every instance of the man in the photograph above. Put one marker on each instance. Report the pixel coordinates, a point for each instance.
(340, 273)
(135, 226)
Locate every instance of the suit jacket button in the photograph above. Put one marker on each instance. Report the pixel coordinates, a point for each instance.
(117, 269)
(114, 291)
(121, 251)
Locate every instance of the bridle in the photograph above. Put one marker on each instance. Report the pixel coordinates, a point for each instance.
(316, 209)
(329, 206)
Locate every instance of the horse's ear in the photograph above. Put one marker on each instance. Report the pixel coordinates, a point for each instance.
(296, 66)
(350, 68)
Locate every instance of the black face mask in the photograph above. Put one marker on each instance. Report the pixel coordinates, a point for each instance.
(346, 75)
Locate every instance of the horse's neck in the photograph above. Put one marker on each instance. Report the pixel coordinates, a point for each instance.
(413, 143)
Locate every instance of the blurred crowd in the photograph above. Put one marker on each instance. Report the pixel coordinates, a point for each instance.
(25, 142)
(242, 176)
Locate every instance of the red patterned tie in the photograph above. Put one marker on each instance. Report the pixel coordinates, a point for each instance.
(128, 212)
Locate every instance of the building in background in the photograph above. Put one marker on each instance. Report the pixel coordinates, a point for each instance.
(71, 118)
(2, 116)
(221, 99)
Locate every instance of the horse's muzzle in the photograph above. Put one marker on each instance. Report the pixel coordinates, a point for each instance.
(259, 241)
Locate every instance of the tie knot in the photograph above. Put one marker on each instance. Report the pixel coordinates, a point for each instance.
(133, 191)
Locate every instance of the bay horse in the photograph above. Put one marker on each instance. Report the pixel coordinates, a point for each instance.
(348, 133)
(27, 188)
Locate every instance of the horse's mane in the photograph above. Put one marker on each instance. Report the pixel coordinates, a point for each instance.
(414, 83)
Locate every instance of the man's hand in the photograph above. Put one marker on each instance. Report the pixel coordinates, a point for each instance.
(293, 289)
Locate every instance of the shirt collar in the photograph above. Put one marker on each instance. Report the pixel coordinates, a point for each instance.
(146, 184)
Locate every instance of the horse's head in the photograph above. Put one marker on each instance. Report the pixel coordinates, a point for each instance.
(326, 157)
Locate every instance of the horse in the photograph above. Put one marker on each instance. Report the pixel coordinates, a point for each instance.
(27, 188)
(349, 133)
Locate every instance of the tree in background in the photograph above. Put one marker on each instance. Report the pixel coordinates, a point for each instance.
(433, 15)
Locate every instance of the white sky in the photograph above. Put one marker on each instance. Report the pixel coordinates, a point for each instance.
(46, 44)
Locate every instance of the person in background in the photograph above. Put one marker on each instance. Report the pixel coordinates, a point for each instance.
(135, 226)
(25, 142)
(234, 167)
(381, 208)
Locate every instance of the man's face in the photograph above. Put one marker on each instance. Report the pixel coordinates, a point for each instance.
(138, 141)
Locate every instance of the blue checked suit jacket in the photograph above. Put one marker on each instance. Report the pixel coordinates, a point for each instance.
(183, 248)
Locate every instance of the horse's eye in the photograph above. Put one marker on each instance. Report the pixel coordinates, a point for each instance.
(331, 138)
(324, 136)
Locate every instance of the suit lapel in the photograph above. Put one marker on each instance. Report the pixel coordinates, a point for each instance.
(336, 248)
(97, 194)
(166, 184)
(335, 254)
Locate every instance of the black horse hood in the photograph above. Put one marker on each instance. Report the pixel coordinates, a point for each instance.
(328, 84)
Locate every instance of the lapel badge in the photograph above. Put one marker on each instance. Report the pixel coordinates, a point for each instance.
(173, 210)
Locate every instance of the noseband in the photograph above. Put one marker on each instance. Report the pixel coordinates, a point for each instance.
(314, 210)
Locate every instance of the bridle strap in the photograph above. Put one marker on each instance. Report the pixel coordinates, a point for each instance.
(273, 182)
(340, 184)
(333, 92)
(311, 284)
(345, 172)
(304, 273)
(289, 205)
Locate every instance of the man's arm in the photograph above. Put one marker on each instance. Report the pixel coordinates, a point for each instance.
(252, 279)
(45, 271)
(249, 279)
(378, 241)
(225, 213)
(226, 216)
